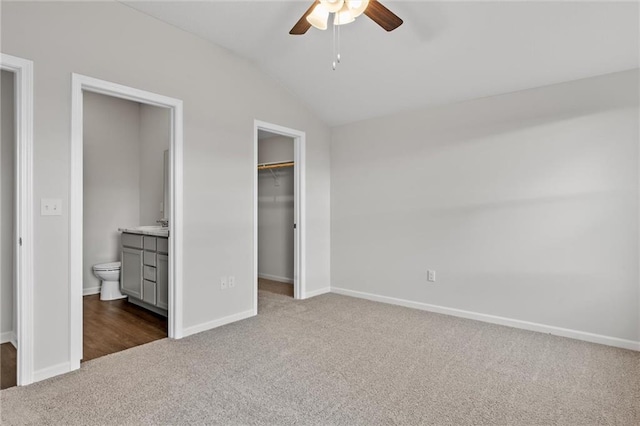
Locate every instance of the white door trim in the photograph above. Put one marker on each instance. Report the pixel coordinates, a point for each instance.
(23, 70)
(80, 83)
(299, 158)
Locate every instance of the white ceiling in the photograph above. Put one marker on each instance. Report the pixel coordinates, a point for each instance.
(444, 52)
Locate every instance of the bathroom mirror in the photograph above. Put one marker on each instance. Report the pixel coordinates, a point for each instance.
(165, 200)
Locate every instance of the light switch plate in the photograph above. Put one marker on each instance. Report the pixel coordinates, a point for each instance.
(50, 207)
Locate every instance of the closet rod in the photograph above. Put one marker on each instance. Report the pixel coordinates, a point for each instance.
(267, 166)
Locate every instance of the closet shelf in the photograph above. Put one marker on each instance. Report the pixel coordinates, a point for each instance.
(277, 165)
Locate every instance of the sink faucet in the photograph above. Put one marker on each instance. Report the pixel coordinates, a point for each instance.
(164, 222)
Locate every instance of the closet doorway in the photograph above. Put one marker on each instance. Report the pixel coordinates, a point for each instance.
(278, 210)
(16, 217)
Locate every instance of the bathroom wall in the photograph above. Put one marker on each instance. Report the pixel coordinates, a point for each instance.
(155, 137)
(112, 153)
(124, 145)
(275, 210)
(7, 202)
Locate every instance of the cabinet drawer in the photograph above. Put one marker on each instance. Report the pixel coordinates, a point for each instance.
(132, 240)
(150, 258)
(149, 292)
(150, 243)
(149, 273)
(163, 245)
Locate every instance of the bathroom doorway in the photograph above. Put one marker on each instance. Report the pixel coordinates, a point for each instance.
(124, 170)
(16, 221)
(128, 287)
(279, 206)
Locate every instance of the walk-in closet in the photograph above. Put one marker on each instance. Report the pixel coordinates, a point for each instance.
(275, 213)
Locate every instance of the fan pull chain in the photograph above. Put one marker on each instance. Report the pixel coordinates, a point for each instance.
(338, 55)
(336, 46)
(333, 64)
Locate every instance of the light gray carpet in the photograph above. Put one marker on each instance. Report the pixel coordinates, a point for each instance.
(335, 360)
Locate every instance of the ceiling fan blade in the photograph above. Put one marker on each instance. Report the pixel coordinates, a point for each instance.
(382, 16)
(302, 26)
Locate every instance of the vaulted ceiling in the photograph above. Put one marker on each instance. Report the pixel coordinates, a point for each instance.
(444, 52)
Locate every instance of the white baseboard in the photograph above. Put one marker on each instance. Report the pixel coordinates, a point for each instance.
(53, 371)
(509, 322)
(91, 290)
(276, 278)
(9, 337)
(315, 293)
(217, 323)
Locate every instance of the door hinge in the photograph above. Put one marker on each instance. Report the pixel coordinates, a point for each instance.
(295, 226)
(20, 241)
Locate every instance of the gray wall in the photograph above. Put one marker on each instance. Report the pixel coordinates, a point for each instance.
(275, 211)
(112, 155)
(7, 203)
(526, 205)
(155, 137)
(222, 95)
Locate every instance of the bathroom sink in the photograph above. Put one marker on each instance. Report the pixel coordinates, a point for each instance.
(157, 230)
(152, 228)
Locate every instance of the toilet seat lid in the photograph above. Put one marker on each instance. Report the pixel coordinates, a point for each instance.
(113, 266)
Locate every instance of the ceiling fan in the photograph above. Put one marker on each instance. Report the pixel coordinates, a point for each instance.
(345, 11)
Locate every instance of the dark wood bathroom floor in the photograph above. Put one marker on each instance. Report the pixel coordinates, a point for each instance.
(109, 327)
(8, 366)
(115, 325)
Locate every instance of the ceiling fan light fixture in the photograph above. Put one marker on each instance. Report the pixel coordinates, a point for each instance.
(332, 6)
(343, 16)
(319, 17)
(357, 7)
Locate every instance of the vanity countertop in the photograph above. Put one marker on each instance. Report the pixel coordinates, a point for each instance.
(156, 231)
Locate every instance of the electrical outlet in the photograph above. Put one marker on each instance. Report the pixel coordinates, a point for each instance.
(50, 207)
(223, 283)
(431, 276)
(232, 281)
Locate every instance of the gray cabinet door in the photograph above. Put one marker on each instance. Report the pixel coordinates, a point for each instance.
(162, 282)
(131, 280)
(149, 292)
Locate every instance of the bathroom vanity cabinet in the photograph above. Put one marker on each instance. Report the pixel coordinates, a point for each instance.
(145, 271)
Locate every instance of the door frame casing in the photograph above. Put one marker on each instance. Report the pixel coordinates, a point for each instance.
(79, 84)
(23, 210)
(299, 154)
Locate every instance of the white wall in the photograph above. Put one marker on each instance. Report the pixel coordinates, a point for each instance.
(222, 95)
(7, 203)
(275, 211)
(112, 157)
(526, 205)
(155, 137)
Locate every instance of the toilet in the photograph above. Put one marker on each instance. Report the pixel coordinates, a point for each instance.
(109, 274)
